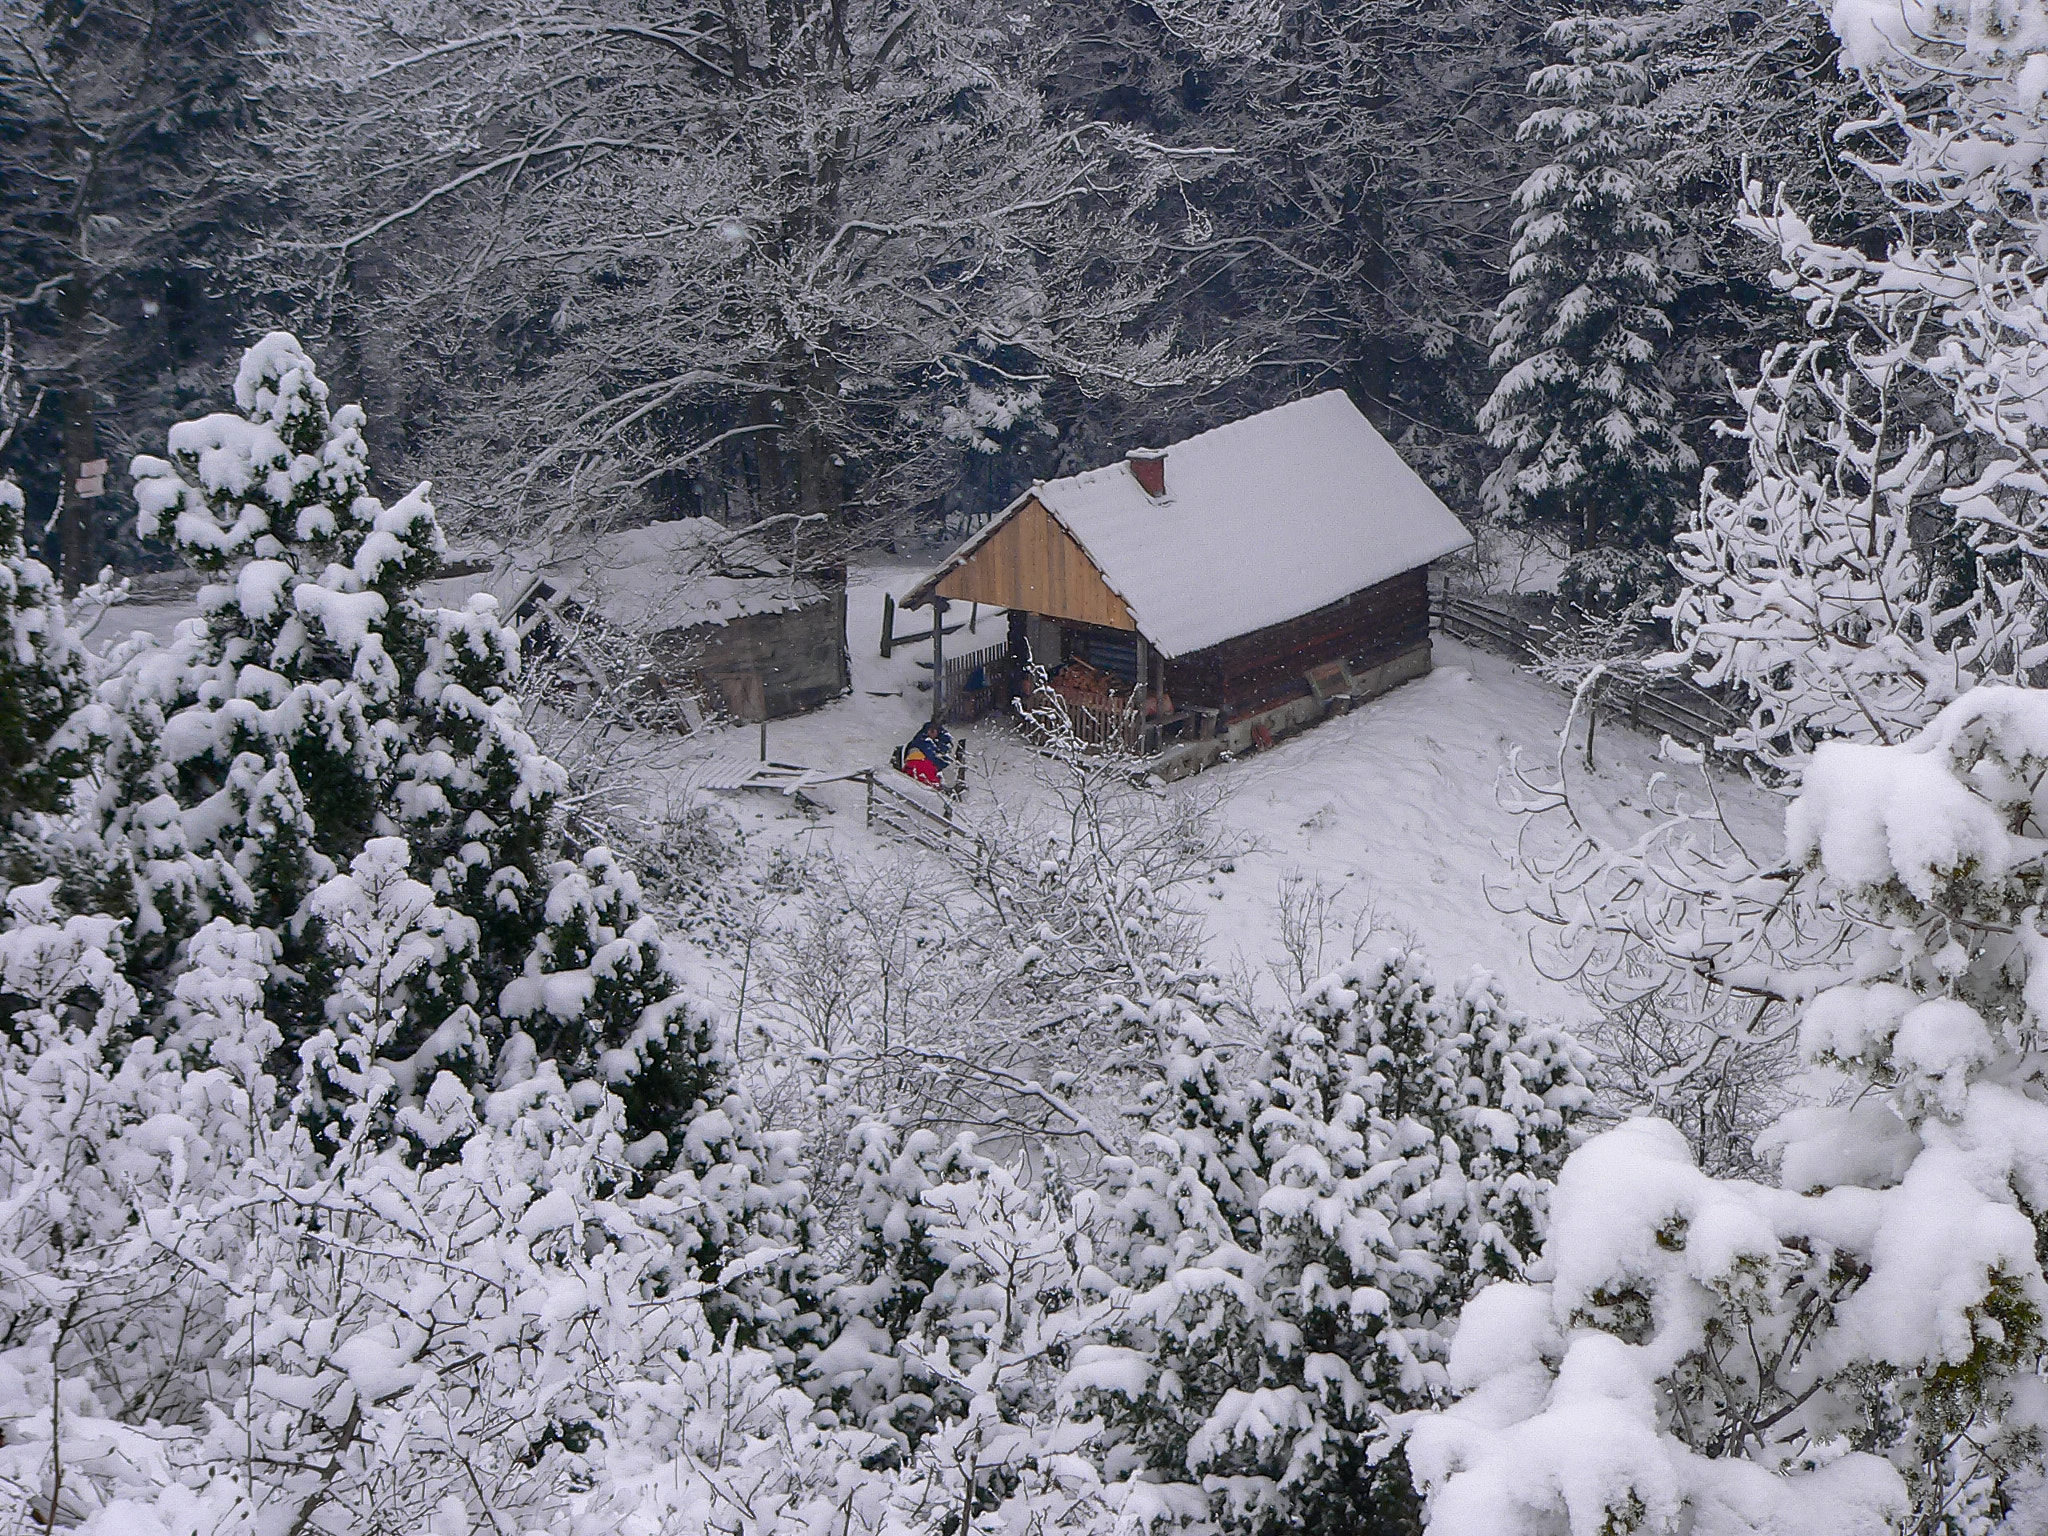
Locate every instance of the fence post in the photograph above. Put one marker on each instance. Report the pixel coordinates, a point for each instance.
(888, 624)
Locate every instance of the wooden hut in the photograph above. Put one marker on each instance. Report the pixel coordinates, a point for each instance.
(720, 616)
(1227, 588)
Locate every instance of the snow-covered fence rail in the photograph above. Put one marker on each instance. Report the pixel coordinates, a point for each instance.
(1671, 706)
(1487, 625)
(1683, 711)
(903, 812)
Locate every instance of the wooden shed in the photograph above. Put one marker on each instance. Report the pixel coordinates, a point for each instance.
(713, 613)
(1229, 587)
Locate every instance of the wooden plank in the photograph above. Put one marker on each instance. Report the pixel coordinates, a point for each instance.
(1034, 565)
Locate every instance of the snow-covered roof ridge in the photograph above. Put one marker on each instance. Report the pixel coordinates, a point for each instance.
(1264, 519)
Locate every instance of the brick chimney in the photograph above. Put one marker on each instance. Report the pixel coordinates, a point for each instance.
(1148, 465)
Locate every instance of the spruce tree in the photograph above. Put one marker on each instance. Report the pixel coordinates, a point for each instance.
(320, 704)
(893, 1288)
(335, 767)
(42, 677)
(1582, 405)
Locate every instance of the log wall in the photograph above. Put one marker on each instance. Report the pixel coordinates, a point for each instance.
(799, 654)
(1258, 671)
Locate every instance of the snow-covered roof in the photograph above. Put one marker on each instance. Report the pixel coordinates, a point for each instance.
(670, 575)
(1263, 520)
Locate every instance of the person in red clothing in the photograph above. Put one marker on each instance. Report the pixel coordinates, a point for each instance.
(926, 757)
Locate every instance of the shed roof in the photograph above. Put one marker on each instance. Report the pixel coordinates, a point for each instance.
(662, 576)
(1263, 520)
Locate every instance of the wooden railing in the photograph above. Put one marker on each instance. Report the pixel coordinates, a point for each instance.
(1672, 706)
(1484, 624)
(899, 809)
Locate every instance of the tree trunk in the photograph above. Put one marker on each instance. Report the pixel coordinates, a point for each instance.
(77, 523)
(771, 495)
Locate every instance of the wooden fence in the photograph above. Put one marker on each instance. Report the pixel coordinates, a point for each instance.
(990, 668)
(1098, 725)
(906, 813)
(1485, 624)
(1671, 706)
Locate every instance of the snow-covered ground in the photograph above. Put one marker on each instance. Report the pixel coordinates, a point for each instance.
(1395, 810)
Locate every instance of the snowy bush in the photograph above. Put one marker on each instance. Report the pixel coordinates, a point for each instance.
(1866, 573)
(1854, 1346)
(988, 993)
(214, 1322)
(1298, 1248)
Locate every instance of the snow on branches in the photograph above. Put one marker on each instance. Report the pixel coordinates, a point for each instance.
(1856, 1346)
(1888, 550)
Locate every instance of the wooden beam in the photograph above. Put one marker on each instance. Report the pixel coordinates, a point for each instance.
(1144, 678)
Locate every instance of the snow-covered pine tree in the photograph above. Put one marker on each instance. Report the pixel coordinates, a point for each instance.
(1393, 1150)
(317, 704)
(1581, 405)
(892, 1289)
(321, 712)
(42, 677)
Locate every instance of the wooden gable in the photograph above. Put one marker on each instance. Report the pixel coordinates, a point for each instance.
(1032, 564)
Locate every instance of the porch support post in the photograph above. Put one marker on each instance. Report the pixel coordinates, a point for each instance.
(939, 662)
(1144, 688)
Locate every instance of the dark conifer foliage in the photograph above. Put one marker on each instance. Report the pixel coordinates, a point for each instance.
(127, 179)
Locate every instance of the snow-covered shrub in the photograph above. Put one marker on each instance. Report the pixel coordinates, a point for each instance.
(215, 1320)
(984, 991)
(333, 773)
(1855, 1346)
(1883, 552)
(1889, 549)
(1301, 1243)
